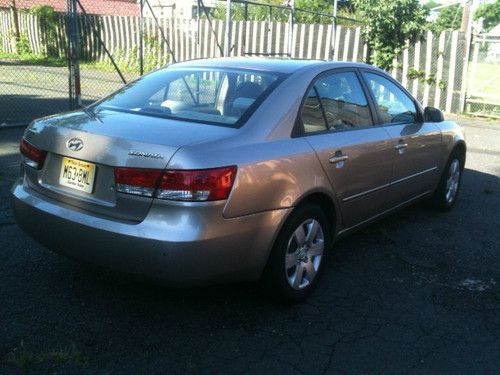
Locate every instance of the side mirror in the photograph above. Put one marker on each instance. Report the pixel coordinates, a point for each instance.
(432, 114)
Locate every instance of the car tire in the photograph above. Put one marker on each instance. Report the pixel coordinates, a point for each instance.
(297, 259)
(446, 193)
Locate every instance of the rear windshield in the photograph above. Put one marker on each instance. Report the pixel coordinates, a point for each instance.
(213, 96)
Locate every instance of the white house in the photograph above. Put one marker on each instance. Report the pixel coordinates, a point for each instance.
(493, 36)
(176, 8)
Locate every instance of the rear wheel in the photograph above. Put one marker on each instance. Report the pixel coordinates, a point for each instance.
(296, 261)
(446, 193)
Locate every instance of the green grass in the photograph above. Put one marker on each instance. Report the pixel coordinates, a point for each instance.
(40, 60)
(486, 82)
(32, 59)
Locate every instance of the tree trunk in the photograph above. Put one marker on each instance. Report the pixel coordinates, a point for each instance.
(15, 21)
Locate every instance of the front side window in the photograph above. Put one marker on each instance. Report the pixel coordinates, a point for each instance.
(214, 96)
(393, 104)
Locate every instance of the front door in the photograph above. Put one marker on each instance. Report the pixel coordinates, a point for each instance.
(356, 156)
(415, 144)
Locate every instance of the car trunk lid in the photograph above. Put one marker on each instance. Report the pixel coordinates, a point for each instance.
(108, 139)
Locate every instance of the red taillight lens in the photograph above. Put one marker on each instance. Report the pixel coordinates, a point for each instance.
(197, 185)
(180, 185)
(137, 181)
(32, 155)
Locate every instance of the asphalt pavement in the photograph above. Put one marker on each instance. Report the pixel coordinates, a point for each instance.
(418, 292)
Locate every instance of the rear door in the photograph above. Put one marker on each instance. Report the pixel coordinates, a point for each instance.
(356, 155)
(415, 144)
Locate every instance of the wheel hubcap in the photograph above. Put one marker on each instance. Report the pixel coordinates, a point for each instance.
(304, 252)
(453, 181)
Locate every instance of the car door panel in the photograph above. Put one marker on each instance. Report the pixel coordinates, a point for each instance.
(355, 155)
(362, 179)
(416, 165)
(416, 145)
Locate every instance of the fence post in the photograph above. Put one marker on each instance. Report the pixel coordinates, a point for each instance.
(291, 21)
(465, 71)
(334, 27)
(75, 97)
(227, 39)
(198, 30)
(141, 39)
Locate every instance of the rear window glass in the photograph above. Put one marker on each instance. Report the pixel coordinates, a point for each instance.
(213, 96)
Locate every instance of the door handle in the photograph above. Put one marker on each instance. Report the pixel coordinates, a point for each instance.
(400, 146)
(338, 159)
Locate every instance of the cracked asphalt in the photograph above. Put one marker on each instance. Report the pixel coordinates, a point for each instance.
(418, 292)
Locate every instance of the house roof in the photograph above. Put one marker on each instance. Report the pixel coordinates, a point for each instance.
(101, 7)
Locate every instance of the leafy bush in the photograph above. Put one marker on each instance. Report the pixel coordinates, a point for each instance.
(490, 13)
(48, 22)
(388, 25)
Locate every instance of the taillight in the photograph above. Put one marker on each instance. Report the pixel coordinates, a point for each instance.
(179, 185)
(137, 181)
(32, 155)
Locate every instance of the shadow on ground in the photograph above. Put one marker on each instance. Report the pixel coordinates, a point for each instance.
(21, 109)
(416, 292)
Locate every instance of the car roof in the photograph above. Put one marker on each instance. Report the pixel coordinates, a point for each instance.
(263, 64)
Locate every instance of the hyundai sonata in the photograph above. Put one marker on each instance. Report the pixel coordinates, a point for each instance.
(220, 170)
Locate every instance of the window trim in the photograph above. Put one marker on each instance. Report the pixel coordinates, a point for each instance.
(299, 130)
(418, 108)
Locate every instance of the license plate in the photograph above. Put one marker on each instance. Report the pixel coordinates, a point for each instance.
(77, 174)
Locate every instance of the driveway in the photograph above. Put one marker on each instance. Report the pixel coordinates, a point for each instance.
(418, 292)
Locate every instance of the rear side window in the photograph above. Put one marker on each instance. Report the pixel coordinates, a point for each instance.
(312, 115)
(343, 101)
(393, 104)
(336, 102)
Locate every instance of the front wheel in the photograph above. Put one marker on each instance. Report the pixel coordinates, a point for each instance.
(446, 193)
(297, 258)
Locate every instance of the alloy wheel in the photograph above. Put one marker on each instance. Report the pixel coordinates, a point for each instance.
(453, 181)
(304, 253)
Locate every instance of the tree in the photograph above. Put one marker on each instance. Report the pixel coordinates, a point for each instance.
(345, 9)
(449, 18)
(490, 13)
(13, 10)
(431, 4)
(47, 18)
(388, 25)
(263, 13)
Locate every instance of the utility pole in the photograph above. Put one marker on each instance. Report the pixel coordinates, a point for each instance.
(227, 39)
(469, 9)
(466, 15)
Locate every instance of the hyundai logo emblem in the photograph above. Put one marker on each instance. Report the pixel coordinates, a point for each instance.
(74, 144)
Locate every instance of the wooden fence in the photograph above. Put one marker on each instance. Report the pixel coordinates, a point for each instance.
(432, 69)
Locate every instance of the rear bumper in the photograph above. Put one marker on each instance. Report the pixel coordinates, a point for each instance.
(182, 244)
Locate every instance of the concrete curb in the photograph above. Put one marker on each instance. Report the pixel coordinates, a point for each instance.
(10, 126)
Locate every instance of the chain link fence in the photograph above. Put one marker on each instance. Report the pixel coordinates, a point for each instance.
(33, 67)
(52, 59)
(483, 94)
(105, 64)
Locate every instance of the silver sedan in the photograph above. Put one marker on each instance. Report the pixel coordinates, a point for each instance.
(221, 170)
